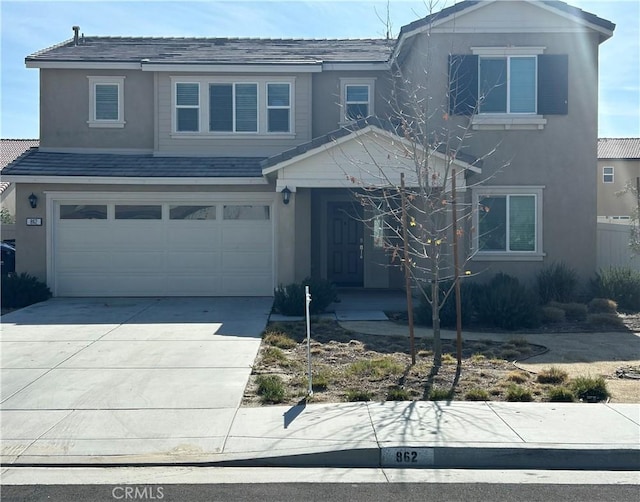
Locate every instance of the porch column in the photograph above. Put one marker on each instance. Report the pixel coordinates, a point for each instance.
(286, 240)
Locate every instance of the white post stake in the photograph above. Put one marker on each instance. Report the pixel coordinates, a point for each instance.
(307, 300)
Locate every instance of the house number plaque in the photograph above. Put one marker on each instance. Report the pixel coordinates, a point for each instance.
(34, 222)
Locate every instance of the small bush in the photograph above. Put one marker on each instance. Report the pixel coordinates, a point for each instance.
(270, 388)
(21, 290)
(449, 359)
(517, 376)
(605, 321)
(376, 368)
(477, 358)
(358, 395)
(590, 389)
(561, 395)
(575, 311)
(290, 299)
(556, 282)
(440, 394)
(423, 314)
(273, 355)
(602, 306)
(516, 393)
(505, 303)
(280, 340)
(398, 394)
(551, 314)
(619, 284)
(476, 395)
(552, 375)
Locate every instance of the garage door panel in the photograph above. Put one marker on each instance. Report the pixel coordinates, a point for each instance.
(195, 284)
(84, 261)
(204, 262)
(247, 260)
(247, 235)
(138, 261)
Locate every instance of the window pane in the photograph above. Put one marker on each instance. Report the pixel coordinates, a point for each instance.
(246, 212)
(357, 111)
(522, 223)
(246, 107)
(523, 85)
(358, 93)
(278, 94)
(221, 107)
(192, 212)
(106, 102)
(187, 95)
(188, 119)
(138, 212)
(492, 234)
(83, 212)
(493, 88)
(279, 120)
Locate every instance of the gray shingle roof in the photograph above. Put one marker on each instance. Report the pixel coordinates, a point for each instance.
(619, 148)
(10, 150)
(216, 50)
(36, 163)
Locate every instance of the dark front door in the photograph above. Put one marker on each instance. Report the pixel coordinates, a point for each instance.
(345, 241)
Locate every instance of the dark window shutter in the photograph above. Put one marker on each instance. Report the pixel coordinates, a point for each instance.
(553, 84)
(463, 84)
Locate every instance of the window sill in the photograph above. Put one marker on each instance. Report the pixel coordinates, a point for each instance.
(507, 122)
(235, 135)
(106, 124)
(502, 256)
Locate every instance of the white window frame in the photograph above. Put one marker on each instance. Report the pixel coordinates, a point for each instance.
(106, 80)
(504, 191)
(605, 174)
(346, 82)
(175, 106)
(204, 82)
(507, 121)
(273, 107)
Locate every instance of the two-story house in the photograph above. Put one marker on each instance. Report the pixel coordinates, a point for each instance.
(618, 170)
(221, 166)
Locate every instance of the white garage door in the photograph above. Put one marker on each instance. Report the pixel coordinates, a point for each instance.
(163, 249)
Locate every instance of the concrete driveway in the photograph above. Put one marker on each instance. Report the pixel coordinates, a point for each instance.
(126, 374)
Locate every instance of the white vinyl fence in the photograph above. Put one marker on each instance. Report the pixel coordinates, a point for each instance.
(613, 246)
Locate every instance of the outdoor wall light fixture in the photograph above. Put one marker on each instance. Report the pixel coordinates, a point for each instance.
(286, 195)
(33, 200)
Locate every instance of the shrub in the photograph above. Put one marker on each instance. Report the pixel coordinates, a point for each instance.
(290, 299)
(273, 355)
(358, 395)
(398, 394)
(448, 359)
(561, 395)
(602, 306)
(517, 393)
(376, 368)
(423, 314)
(590, 389)
(505, 303)
(517, 376)
(476, 395)
(552, 375)
(605, 321)
(557, 282)
(551, 314)
(270, 388)
(440, 394)
(21, 290)
(619, 284)
(572, 311)
(280, 340)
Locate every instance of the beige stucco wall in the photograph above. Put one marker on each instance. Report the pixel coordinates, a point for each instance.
(610, 202)
(64, 111)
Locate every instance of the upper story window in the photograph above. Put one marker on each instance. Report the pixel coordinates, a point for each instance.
(607, 174)
(356, 97)
(187, 107)
(223, 105)
(106, 98)
(508, 87)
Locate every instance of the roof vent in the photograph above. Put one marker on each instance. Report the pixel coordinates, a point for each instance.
(76, 30)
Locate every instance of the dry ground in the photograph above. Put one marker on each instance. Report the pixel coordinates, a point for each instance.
(349, 365)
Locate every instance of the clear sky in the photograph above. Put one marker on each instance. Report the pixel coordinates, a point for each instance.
(28, 26)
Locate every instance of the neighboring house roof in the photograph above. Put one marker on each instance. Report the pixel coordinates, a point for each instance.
(619, 148)
(10, 150)
(332, 136)
(466, 4)
(215, 50)
(37, 163)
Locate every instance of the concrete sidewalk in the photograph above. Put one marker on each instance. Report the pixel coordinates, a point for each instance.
(390, 434)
